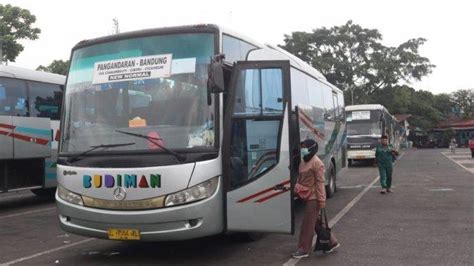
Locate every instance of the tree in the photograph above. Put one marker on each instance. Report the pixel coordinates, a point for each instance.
(444, 104)
(463, 100)
(354, 59)
(57, 66)
(15, 24)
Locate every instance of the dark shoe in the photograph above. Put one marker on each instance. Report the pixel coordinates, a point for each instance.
(333, 247)
(299, 254)
(382, 191)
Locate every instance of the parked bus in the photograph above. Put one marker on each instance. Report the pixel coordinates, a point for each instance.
(366, 123)
(184, 132)
(30, 107)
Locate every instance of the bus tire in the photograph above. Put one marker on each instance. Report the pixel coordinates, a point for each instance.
(44, 192)
(349, 162)
(331, 187)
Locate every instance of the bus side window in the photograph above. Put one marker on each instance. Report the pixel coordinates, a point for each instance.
(44, 100)
(330, 114)
(340, 101)
(235, 49)
(336, 106)
(13, 97)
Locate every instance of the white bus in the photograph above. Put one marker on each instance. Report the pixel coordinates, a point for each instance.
(184, 132)
(30, 107)
(366, 123)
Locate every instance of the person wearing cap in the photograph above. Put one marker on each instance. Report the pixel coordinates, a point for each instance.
(311, 179)
(384, 157)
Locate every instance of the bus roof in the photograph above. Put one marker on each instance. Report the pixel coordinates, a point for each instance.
(32, 75)
(276, 52)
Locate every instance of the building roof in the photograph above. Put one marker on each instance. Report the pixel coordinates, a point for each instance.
(402, 117)
(457, 123)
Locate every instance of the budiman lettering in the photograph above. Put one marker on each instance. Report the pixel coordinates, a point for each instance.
(126, 180)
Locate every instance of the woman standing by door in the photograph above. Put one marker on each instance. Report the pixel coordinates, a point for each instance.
(310, 187)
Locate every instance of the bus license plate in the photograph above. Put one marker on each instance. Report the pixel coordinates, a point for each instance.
(124, 234)
(360, 157)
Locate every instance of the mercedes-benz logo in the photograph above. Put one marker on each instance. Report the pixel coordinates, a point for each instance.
(120, 193)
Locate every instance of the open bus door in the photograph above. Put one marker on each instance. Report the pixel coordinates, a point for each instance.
(257, 154)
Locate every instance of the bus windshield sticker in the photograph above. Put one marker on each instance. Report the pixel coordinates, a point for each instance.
(360, 115)
(185, 65)
(132, 68)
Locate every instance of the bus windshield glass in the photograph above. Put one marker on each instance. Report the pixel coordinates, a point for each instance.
(364, 123)
(154, 86)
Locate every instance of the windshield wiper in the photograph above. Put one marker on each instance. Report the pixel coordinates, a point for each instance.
(180, 157)
(95, 147)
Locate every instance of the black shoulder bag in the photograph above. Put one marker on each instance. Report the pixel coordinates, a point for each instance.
(323, 241)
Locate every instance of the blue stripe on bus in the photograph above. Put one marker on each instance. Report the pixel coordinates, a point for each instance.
(50, 175)
(44, 132)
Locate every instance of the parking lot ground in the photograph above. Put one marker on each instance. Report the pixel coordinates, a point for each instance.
(427, 220)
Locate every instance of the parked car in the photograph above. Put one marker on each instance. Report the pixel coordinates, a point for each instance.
(471, 146)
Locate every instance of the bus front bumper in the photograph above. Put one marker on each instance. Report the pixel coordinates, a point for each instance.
(194, 220)
(360, 154)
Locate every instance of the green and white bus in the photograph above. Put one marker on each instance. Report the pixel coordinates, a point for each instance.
(184, 132)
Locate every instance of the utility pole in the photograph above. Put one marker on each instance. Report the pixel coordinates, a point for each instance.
(116, 26)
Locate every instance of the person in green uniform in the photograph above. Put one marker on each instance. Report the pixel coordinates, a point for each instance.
(384, 156)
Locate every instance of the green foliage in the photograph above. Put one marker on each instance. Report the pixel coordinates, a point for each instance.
(15, 24)
(354, 59)
(463, 99)
(57, 66)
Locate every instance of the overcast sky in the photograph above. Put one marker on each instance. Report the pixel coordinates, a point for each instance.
(447, 25)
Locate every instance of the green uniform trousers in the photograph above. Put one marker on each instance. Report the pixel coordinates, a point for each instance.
(385, 171)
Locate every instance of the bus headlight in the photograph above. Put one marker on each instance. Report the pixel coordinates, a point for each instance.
(69, 196)
(195, 193)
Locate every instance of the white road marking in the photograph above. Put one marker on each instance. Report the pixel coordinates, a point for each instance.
(28, 212)
(441, 189)
(470, 170)
(47, 252)
(335, 219)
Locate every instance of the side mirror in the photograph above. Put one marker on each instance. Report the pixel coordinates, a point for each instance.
(216, 77)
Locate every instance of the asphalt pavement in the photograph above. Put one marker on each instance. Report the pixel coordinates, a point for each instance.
(428, 220)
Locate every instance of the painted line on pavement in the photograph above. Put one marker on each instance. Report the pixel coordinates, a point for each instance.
(47, 252)
(28, 212)
(454, 161)
(335, 219)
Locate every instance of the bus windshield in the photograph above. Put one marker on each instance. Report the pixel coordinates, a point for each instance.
(364, 123)
(154, 86)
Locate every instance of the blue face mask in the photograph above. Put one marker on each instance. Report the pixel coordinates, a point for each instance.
(304, 152)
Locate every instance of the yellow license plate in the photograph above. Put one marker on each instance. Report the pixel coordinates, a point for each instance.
(360, 157)
(124, 234)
